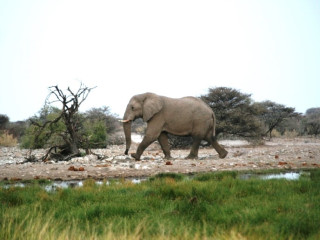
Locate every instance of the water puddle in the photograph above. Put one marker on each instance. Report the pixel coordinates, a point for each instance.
(269, 176)
(54, 185)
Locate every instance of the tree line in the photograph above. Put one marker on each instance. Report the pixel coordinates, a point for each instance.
(67, 129)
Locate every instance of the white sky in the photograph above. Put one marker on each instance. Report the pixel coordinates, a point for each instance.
(267, 48)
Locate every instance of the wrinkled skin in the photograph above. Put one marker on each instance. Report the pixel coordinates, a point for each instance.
(182, 117)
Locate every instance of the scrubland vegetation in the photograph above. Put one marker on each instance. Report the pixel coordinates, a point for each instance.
(168, 206)
(237, 116)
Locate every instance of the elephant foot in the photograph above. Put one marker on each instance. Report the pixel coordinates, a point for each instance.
(223, 155)
(191, 157)
(126, 152)
(168, 157)
(135, 156)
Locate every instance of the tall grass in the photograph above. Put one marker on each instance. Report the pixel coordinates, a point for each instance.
(218, 206)
(7, 140)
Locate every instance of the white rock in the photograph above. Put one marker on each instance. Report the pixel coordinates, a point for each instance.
(92, 157)
(77, 159)
(125, 164)
(17, 154)
(109, 159)
(135, 166)
(120, 157)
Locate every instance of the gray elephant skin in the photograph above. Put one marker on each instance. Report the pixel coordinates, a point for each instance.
(187, 116)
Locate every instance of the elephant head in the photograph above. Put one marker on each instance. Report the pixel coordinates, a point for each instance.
(140, 106)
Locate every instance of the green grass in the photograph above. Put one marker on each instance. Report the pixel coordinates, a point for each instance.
(212, 206)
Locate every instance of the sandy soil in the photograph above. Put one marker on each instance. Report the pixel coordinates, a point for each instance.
(298, 153)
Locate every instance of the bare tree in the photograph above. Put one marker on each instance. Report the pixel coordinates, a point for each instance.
(71, 102)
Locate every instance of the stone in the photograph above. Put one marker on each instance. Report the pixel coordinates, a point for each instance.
(92, 157)
(18, 154)
(109, 159)
(135, 166)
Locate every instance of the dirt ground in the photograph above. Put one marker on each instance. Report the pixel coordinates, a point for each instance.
(280, 153)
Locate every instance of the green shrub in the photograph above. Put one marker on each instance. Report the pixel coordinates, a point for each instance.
(95, 132)
(50, 135)
(92, 128)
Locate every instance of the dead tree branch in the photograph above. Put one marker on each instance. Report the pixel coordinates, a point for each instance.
(70, 102)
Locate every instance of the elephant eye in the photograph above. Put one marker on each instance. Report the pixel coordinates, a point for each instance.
(132, 108)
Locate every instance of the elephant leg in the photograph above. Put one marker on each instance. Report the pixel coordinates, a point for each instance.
(194, 149)
(152, 133)
(221, 151)
(164, 143)
(142, 146)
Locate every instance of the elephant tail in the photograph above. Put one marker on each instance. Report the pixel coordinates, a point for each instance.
(214, 125)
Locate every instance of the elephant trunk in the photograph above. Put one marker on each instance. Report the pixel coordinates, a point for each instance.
(127, 133)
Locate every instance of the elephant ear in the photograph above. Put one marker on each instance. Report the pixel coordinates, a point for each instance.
(151, 105)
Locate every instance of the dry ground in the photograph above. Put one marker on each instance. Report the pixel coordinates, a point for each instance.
(280, 153)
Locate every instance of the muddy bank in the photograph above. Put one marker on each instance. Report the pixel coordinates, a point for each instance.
(298, 153)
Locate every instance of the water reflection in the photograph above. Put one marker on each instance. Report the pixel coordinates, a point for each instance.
(268, 176)
(63, 185)
(288, 176)
(79, 183)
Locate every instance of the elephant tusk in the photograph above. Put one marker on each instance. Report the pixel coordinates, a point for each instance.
(124, 121)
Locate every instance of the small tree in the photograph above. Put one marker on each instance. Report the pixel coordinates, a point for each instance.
(17, 129)
(4, 120)
(47, 124)
(234, 111)
(273, 114)
(40, 134)
(290, 126)
(311, 121)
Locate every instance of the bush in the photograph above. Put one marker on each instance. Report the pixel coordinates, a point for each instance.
(235, 112)
(311, 122)
(93, 128)
(17, 129)
(100, 128)
(275, 133)
(273, 114)
(116, 138)
(95, 133)
(50, 135)
(291, 134)
(4, 120)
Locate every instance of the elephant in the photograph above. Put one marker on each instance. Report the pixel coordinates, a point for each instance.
(187, 116)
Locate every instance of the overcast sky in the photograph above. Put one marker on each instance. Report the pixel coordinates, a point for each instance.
(267, 48)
